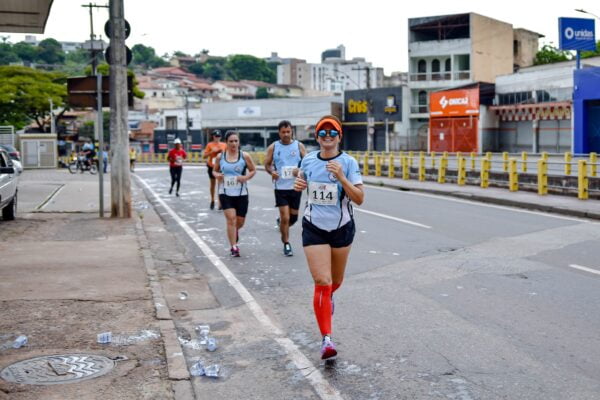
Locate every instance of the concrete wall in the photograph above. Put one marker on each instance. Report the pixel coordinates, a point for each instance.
(527, 47)
(492, 48)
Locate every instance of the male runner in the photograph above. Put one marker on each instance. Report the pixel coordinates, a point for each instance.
(213, 150)
(282, 162)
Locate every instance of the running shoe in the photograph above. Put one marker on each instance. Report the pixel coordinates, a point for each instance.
(212, 205)
(328, 351)
(171, 191)
(177, 194)
(277, 222)
(235, 251)
(287, 250)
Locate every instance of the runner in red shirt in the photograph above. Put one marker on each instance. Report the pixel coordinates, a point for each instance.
(176, 157)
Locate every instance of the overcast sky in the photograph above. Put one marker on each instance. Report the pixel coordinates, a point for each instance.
(373, 29)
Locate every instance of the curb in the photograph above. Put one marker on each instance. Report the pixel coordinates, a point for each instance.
(176, 364)
(494, 200)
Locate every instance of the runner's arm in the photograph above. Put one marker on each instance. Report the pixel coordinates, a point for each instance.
(251, 169)
(269, 162)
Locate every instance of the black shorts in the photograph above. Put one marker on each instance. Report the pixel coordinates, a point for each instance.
(239, 203)
(289, 198)
(341, 237)
(210, 172)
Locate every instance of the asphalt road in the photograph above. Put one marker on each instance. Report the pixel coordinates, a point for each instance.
(443, 298)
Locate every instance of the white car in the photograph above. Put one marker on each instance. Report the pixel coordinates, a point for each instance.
(8, 187)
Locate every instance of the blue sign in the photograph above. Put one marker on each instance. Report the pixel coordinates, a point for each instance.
(576, 34)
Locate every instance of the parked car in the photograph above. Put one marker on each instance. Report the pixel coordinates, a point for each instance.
(14, 155)
(8, 187)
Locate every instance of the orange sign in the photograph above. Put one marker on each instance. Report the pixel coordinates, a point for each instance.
(454, 103)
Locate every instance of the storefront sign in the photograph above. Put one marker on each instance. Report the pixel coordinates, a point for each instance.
(576, 34)
(247, 112)
(454, 103)
(390, 106)
(357, 106)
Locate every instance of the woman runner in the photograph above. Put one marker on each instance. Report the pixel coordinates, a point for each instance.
(233, 169)
(332, 179)
(176, 156)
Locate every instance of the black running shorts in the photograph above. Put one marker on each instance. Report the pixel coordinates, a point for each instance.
(341, 237)
(239, 203)
(289, 198)
(210, 172)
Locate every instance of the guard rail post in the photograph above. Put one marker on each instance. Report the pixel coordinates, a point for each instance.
(405, 168)
(432, 159)
(582, 180)
(442, 168)
(505, 161)
(524, 162)
(593, 162)
(542, 176)
(366, 164)
(513, 176)
(473, 158)
(377, 165)
(422, 166)
(391, 171)
(568, 159)
(462, 170)
(485, 172)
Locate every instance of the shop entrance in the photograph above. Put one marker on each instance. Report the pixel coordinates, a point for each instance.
(454, 134)
(593, 124)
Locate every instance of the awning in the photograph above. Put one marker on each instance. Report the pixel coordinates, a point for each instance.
(24, 16)
(530, 112)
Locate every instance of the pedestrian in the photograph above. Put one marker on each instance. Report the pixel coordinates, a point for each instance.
(176, 157)
(104, 161)
(132, 157)
(234, 169)
(333, 181)
(281, 162)
(213, 150)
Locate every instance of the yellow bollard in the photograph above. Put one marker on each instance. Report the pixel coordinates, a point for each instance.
(391, 171)
(473, 156)
(432, 154)
(462, 171)
(489, 155)
(377, 165)
(443, 167)
(366, 164)
(593, 162)
(505, 161)
(568, 159)
(545, 156)
(485, 172)
(513, 176)
(422, 166)
(410, 158)
(405, 168)
(261, 158)
(524, 162)
(542, 177)
(582, 180)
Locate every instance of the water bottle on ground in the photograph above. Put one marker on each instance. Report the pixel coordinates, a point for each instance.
(212, 371)
(197, 369)
(211, 344)
(20, 342)
(202, 332)
(104, 337)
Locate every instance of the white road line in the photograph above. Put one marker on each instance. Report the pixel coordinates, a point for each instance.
(476, 203)
(404, 221)
(166, 167)
(50, 197)
(310, 372)
(586, 269)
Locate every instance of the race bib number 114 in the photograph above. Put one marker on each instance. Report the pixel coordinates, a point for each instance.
(323, 194)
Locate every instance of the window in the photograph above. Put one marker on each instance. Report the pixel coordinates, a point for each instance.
(422, 70)
(422, 101)
(435, 69)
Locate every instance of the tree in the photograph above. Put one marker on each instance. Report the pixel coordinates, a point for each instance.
(7, 54)
(25, 94)
(196, 69)
(26, 52)
(50, 52)
(104, 69)
(588, 54)
(262, 93)
(178, 53)
(550, 54)
(88, 130)
(145, 56)
(242, 66)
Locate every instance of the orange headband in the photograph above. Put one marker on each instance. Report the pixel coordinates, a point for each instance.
(331, 121)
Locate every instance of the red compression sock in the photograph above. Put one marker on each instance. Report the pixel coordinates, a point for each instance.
(334, 287)
(322, 305)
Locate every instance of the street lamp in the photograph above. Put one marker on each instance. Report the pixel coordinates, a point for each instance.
(581, 10)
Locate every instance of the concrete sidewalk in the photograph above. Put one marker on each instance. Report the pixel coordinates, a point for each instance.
(67, 275)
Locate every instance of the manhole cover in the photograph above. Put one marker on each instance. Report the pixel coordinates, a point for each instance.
(62, 368)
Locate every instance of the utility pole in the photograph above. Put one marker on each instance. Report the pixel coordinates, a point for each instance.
(99, 116)
(119, 138)
(370, 126)
(52, 122)
(187, 123)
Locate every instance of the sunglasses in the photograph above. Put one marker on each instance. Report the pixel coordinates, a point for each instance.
(332, 132)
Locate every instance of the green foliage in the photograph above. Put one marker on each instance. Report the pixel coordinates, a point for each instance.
(50, 52)
(241, 66)
(24, 94)
(196, 69)
(7, 55)
(262, 93)
(145, 56)
(104, 69)
(550, 54)
(178, 53)
(25, 52)
(588, 54)
(88, 130)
